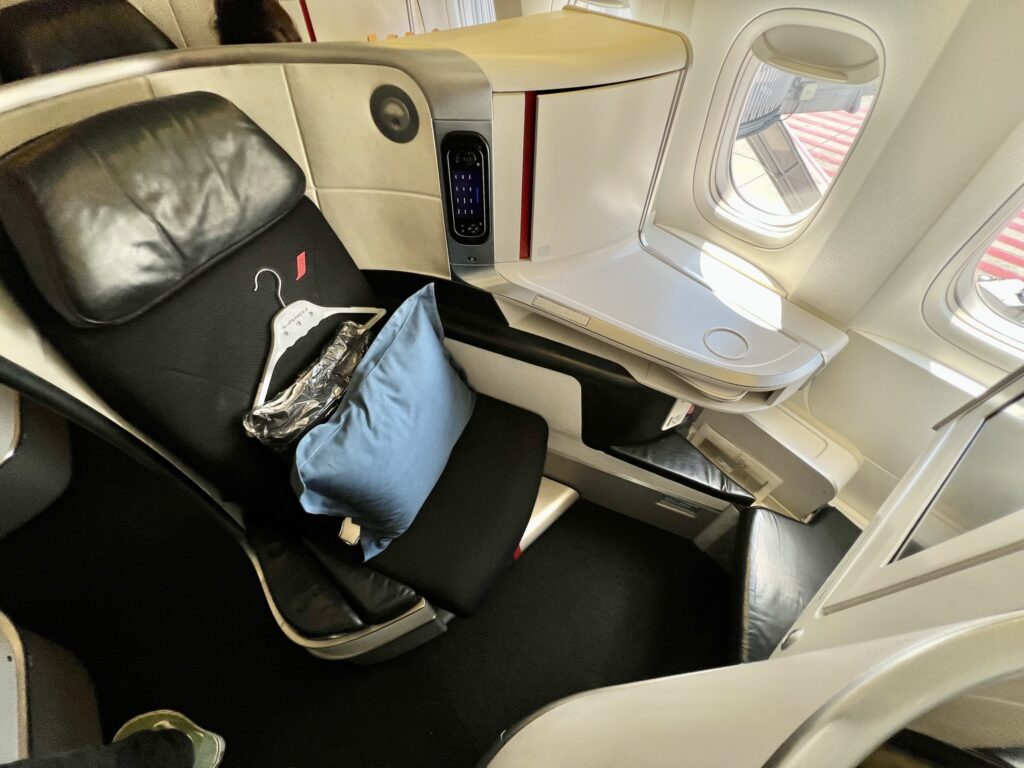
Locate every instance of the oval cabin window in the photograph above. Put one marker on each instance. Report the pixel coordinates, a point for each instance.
(793, 137)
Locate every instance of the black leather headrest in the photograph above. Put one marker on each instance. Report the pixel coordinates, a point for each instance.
(113, 213)
(40, 36)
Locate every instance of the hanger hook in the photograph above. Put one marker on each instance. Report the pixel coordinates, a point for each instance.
(256, 283)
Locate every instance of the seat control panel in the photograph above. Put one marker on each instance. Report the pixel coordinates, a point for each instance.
(467, 186)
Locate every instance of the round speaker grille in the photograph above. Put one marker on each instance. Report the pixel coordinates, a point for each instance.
(394, 114)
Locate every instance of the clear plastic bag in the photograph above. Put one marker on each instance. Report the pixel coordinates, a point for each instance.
(315, 394)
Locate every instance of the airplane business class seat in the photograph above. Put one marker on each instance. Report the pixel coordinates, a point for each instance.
(132, 239)
(41, 36)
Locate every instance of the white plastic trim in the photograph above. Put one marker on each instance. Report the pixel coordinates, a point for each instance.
(953, 309)
(13, 694)
(848, 727)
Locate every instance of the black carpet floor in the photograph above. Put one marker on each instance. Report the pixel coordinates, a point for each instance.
(165, 611)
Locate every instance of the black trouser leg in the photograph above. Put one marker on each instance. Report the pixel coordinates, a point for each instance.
(148, 749)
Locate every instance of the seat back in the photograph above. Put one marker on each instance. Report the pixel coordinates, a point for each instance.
(132, 241)
(41, 36)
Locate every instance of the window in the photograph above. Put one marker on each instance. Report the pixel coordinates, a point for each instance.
(976, 300)
(792, 102)
(792, 138)
(999, 271)
(987, 294)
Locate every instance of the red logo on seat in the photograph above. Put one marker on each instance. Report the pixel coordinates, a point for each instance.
(300, 266)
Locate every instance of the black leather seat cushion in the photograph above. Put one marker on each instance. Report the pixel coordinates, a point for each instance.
(473, 520)
(782, 563)
(41, 36)
(673, 456)
(115, 212)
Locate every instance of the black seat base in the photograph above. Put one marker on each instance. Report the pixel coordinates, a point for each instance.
(461, 540)
(781, 564)
(674, 457)
(473, 520)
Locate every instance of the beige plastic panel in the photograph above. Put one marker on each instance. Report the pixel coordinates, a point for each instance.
(195, 20)
(596, 152)
(566, 49)
(259, 90)
(160, 13)
(884, 401)
(13, 698)
(507, 182)
(382, 198)
(389, 230)
(346, 151)
(21, 125)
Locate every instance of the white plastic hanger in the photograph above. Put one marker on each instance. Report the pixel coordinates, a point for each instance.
(295, 320)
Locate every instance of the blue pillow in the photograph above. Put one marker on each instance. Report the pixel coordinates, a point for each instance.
(379, 456)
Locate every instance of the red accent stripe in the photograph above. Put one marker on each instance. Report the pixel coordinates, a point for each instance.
(529, 140)
(517, 554)
(300, 266)
(309, 21)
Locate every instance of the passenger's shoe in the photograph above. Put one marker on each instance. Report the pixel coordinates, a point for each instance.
(207, 746)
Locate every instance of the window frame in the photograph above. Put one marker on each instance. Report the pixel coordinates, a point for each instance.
(716, 197)
(955, 311)
(967, 296)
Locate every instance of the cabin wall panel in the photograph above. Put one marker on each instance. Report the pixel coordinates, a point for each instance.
(382, 198)
(259, 90)
(346, 150)
(388, 230)
(961, 115)
(922, 28)
(942, 151)
(886, 403)
(591, 184)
